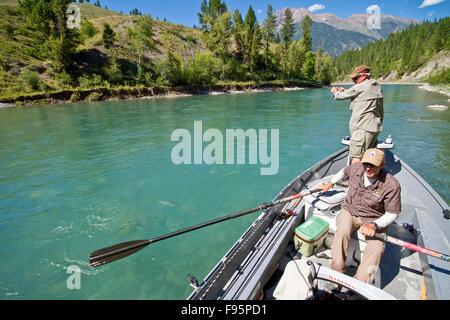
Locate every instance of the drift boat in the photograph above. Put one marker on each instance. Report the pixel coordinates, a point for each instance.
(266, 263)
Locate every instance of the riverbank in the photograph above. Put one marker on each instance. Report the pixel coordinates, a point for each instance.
(382, 82)
(141, 92)
(442, 89)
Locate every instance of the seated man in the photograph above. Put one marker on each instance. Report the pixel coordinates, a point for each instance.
(372, 203)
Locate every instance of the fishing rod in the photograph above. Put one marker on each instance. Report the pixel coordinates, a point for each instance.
(413, 247)
(122, 250)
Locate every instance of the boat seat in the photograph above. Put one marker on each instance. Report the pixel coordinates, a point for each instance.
(327, 200)
(325, 205)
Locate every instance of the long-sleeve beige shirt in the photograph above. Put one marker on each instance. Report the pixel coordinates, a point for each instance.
(366, 105)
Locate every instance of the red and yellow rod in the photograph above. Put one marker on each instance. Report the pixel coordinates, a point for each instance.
(414, 247)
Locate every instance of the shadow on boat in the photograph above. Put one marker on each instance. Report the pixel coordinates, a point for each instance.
(393, 166)
(396, 259)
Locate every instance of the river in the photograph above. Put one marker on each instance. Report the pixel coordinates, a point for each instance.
(80, 177)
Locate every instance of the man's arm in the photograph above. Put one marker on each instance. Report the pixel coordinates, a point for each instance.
(386, 219)
(370, 229)
(393, 208)
(343, 94)
(336, 178)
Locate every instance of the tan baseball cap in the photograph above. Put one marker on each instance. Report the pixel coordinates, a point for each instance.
(359, 70)
(373, 156)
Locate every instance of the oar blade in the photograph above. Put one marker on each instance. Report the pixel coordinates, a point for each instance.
(116, 252)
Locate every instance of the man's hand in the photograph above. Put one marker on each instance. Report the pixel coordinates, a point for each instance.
(335, 89)
(324, 187)
(368, 230)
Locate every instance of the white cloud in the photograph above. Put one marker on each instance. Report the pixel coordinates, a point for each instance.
(372, 8)
(316, 7)
(427, 3)
(259, 11)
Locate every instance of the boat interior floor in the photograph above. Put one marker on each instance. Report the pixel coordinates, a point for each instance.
(400, 270)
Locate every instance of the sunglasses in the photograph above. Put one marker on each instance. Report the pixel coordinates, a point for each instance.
(369, 165)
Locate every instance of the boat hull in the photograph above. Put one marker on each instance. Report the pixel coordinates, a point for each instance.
(246, 268)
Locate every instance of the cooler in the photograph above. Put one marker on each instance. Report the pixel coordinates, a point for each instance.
(310, 235)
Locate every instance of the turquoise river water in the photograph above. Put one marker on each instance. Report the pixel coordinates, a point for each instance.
(79, 177)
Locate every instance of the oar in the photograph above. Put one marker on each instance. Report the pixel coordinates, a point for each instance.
(122, 250)
(413, 247)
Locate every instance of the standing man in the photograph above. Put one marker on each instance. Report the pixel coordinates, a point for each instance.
(372, 203)
(367, 111)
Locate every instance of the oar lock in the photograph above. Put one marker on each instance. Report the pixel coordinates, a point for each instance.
(193, 281)
(446, 213)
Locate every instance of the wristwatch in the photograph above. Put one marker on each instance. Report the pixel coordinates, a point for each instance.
(375, 225)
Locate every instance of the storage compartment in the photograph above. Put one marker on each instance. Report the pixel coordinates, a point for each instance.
(310, 235)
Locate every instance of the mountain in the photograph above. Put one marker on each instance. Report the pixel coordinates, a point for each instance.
(337, 35)
(419, 53)
(333, 40)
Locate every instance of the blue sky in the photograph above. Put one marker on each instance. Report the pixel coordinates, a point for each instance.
(185, 11)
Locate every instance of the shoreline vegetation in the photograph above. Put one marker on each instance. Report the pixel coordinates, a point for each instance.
(134, 56)
(114, 56)
(141, 92)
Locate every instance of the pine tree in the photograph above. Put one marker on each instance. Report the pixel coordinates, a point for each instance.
(323, 67)
(294, 60)
(141, 37)
(310, 65)
(220, 35)
(306, 30)
(269, 28)
(237, 31)
(56, 41)
(252, 39)
(108, 36)
(287, 28)
(203, 15)
(439, 37)
(210, 12)
(217, 8)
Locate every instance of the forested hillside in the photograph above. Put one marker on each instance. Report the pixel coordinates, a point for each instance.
(402, 53)
(247, 51)
(39, 53)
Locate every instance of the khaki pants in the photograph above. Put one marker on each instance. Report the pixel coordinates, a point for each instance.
(361, 141)
(346, 225)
